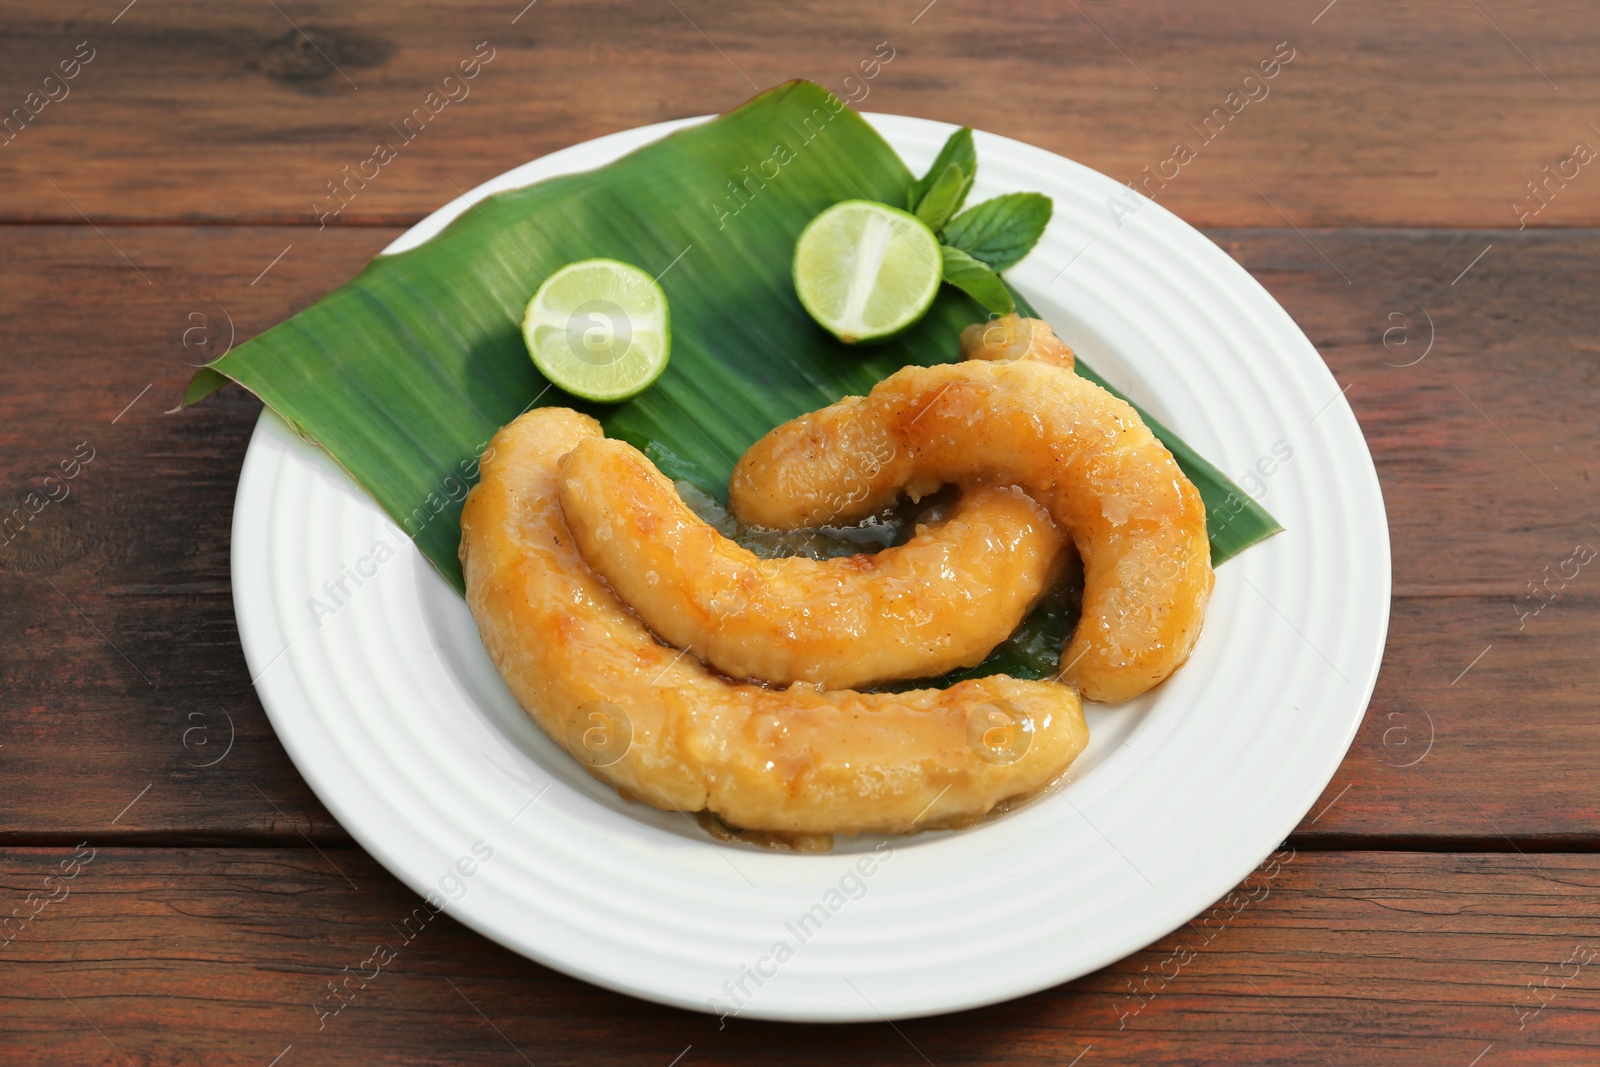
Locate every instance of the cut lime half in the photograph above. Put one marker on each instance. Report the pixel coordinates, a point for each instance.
(866, 271)
(598, 329)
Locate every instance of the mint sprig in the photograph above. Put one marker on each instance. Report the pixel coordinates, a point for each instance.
(977, 280)
(958, 151)
(1000, 231)
(943, 199)
(983, 240)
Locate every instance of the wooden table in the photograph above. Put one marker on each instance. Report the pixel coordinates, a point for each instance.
(1437, 906)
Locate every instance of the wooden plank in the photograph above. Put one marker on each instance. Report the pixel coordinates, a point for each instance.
(224, 956)
(138, 552)
(121, 661)
(195, 109)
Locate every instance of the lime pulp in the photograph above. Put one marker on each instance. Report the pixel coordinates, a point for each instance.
(599, 330)
(866, 271)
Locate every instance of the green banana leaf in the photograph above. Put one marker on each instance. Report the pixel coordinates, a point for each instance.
(404, 373)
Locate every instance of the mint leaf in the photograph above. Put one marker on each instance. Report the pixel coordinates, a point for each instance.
(976, 280)
(1001, 231)
(957, 151)
(942, 200)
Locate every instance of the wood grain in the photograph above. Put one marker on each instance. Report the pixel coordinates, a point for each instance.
(121, 661)
(221, 956)
(200, 110)
(120, 634)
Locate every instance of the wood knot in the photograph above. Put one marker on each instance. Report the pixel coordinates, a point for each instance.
(309, 56)
(39, 535)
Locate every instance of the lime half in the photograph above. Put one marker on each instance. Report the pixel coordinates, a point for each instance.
(866, 271)
(598, 329)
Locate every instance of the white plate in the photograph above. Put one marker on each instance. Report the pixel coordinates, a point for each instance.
(394, 714)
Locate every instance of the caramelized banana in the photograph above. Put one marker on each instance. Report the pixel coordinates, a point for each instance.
(1138, 522)
(941, 601)
(659, 725)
